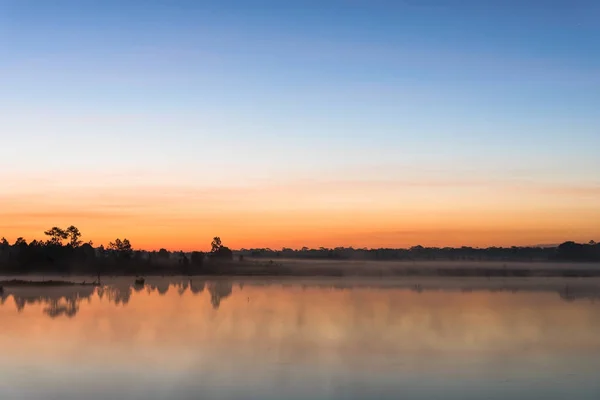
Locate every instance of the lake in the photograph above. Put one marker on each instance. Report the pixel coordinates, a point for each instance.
(336, 338)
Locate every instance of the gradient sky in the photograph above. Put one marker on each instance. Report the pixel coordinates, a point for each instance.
(307, 123)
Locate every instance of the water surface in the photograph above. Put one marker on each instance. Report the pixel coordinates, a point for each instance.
(298, 339)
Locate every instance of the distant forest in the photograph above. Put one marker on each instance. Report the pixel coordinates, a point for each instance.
(568, 251)
(65, 253)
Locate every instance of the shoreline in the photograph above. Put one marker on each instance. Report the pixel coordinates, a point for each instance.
(43, 283)
(323, 269)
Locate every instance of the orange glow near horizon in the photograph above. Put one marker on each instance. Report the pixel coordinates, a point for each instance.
(313, 214)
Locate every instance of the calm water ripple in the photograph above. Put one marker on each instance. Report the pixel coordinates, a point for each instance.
(298, 339)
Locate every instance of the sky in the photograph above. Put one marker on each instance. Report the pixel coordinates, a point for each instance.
(301, 123)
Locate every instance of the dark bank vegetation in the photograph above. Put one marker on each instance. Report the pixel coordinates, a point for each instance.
(64, 253)
(568, 251)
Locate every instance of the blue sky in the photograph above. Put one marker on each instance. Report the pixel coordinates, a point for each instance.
(207, 93)
(385, 79)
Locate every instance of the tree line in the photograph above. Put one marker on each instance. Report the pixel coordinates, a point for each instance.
(65, 253)
(567, 251)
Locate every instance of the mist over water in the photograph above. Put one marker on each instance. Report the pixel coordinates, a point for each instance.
(303, 338)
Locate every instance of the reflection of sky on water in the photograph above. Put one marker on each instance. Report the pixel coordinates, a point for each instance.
(237, 339)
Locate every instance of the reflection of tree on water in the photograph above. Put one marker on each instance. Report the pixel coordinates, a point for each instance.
(181, 287)
(218, 290)
(57, 308)
(66, 301)
(570, 294)
(196, 287)
(138, 288)
(115, 294)
(162, 288)
(57, 301)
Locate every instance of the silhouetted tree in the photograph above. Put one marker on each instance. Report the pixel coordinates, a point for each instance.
(220, 252)
(197, 259)
(163, 254)
(20, 242)
(185, 264)
(121, 247)
(73, 235)
(57, 235)
(87, 253)
(224, 253)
